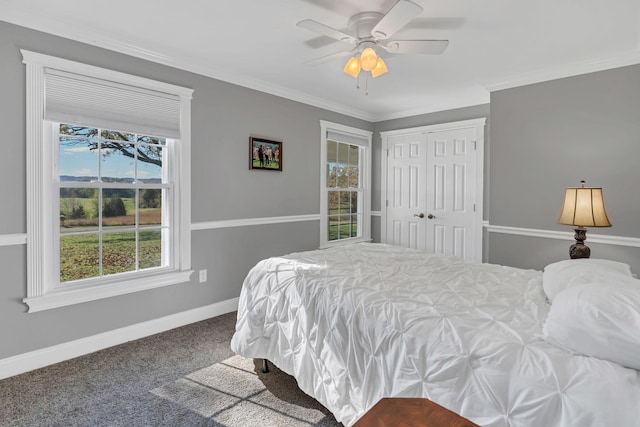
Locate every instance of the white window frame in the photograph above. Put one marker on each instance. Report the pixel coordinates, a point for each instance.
(365, 171)
(42, 294)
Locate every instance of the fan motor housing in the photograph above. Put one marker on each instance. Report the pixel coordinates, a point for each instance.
(362, 23)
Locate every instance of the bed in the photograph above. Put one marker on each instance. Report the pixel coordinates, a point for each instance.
(359, 322)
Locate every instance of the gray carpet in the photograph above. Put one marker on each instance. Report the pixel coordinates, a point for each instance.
(184, 377)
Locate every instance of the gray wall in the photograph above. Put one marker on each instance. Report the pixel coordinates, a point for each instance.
(541, 139)
(223, 118)
(548, 136)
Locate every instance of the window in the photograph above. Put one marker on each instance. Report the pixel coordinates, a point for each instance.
(108, 201)
(113, 203)
(345, 184)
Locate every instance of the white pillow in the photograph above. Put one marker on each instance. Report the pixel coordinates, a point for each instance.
(598, 319)
(571, 272)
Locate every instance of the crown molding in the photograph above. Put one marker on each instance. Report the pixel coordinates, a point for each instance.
(85, 34)
(432, 109)
(621, 59)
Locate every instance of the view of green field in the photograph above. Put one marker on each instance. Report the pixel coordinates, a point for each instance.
(80, 253)
(342, 230)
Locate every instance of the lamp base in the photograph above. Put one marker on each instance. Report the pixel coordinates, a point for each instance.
(579, 249)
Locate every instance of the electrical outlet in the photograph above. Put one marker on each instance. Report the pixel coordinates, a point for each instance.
(203, 276)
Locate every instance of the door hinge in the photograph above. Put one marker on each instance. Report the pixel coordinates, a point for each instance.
(387, 203)
(474, 207)
(387, 152)
(475, 145)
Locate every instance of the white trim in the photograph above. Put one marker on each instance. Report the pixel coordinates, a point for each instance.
(37, 169)
(568, 70)
(54, 62)
(21, 239)
(479, 205)
(365, 169)
(41, 259)
(182, 201)
(477, 101)
(564, 235)
(82, 34)
(13, 239)
(58, 353)
(437, 127)
(228, 223)
(20, 16)
(65, 297)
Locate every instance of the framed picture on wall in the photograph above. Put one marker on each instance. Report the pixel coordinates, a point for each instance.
(265, 154)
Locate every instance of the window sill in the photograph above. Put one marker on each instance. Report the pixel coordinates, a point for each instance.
(344, 242)
(61, 298)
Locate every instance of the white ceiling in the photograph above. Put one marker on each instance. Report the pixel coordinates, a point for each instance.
(494, 44)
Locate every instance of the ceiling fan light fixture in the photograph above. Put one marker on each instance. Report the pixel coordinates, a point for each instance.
(352, 67)
(368, 59)
(379, 69)
(369, 31)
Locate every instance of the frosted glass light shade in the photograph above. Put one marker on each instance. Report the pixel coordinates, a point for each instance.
(352, 67)
(584, 207)
(368, 59)
(379, 69)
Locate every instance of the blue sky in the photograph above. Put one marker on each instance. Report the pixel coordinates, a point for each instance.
(78, 160)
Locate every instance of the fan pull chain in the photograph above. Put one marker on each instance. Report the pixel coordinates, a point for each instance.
(366, 85)
(358, 81)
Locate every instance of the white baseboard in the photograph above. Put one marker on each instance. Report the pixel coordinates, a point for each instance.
(58, 353)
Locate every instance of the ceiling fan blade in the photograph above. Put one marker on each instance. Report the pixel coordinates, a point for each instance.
(325, 30)
(330, 57)
(426, 47)
(397, 17)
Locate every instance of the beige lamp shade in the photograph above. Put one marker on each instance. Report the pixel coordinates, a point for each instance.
(584, 207)
(352, 67)
(380, 68)
(368, 59)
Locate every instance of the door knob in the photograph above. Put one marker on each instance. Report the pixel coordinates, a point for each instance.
(420, 215)
(431, 216)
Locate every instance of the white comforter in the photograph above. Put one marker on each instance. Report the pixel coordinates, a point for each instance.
(356, 323)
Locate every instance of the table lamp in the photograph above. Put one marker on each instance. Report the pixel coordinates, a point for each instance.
(583, 207)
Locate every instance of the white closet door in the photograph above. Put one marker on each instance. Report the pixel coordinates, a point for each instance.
(406, 191)
(432, 193)
(451, 195)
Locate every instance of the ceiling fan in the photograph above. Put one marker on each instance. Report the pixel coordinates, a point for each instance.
(370, 30)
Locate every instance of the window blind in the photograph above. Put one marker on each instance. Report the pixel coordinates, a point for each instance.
(77, 99)
(348, 138)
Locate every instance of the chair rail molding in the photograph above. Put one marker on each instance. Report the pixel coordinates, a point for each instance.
(244, 222)
(21, 238)
(13, 239)
(563, 235)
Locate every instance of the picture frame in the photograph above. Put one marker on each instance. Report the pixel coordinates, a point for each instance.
(265, 154)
